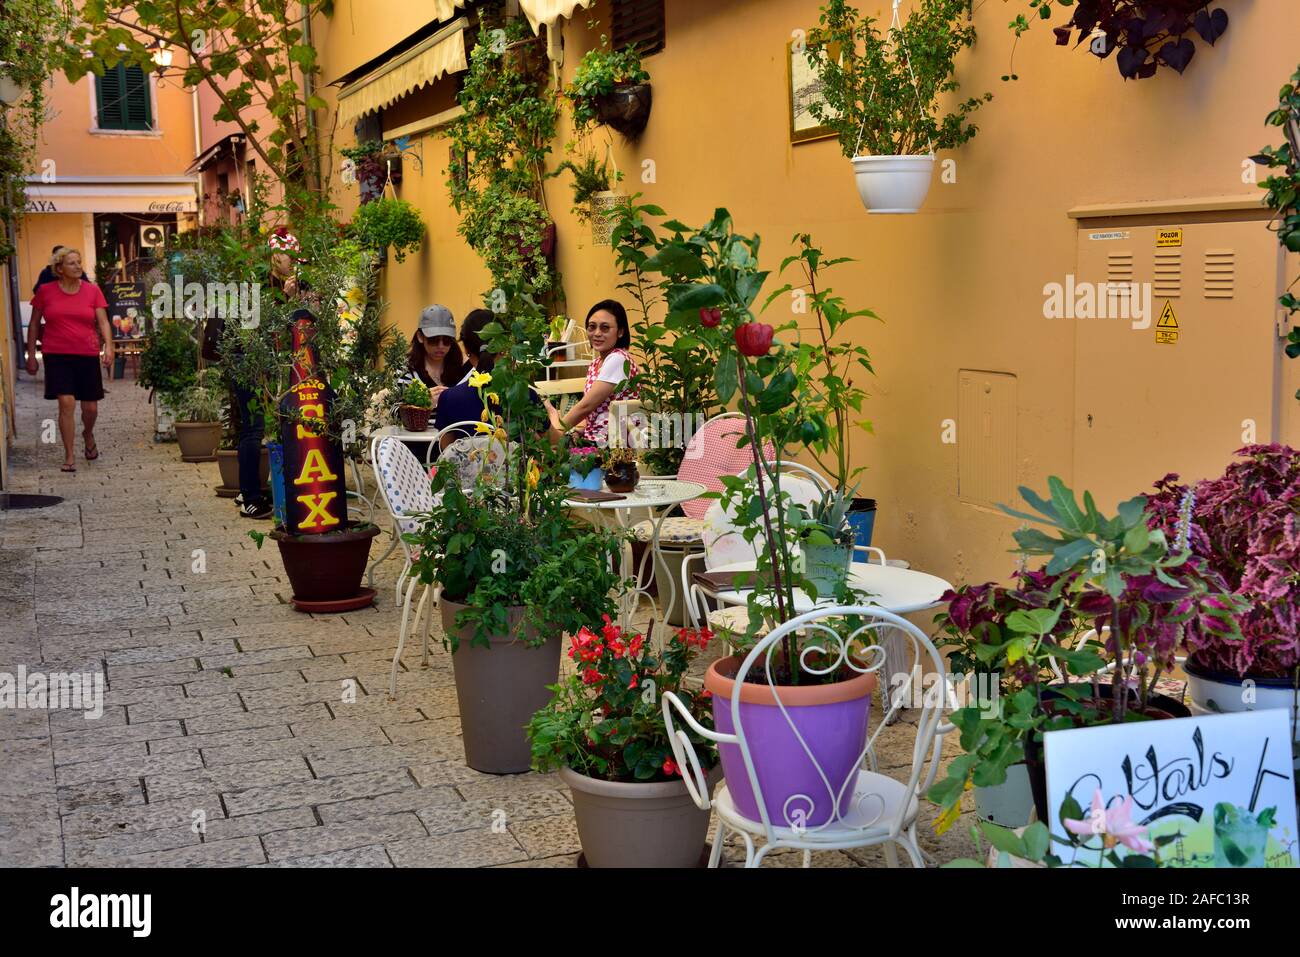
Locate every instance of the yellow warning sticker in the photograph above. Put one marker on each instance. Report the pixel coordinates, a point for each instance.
(1167, 325)
(1168, 237)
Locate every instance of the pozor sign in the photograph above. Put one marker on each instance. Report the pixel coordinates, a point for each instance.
(315, 493)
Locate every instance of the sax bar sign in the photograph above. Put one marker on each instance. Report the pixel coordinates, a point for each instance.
(315, 499)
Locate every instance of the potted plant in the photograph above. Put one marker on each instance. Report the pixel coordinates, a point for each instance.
(386, 222)
(826, 539)
(518, 570)
(198, 410)
(603, 729)
(1139, 591)
(815, 711)
(585, 469)
(369, 168)
(168, 367)
(621, 472)
(1245, 526)
(416, 407)
(1147, 33)
(610, 87)
(594, 201)
(881, 93)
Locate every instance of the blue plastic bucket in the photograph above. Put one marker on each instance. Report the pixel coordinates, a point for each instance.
(862, 518)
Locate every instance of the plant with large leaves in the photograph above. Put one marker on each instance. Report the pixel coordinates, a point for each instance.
(1147, 33)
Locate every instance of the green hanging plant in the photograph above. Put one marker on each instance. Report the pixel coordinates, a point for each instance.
(389, 222)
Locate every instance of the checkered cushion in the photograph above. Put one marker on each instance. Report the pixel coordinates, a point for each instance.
(405, 481)
(674, 531)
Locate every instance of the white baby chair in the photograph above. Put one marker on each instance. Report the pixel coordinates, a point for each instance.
(724, 544)
(404, 489)
(879, 809)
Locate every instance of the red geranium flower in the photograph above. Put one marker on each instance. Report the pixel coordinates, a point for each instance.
(670, 767)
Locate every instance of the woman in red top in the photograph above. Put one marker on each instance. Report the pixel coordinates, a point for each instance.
(75, 316)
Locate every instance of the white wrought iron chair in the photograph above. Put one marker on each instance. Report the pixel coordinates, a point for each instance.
(404, 489)
(857, 808)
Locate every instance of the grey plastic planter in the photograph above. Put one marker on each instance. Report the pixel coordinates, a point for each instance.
(637, 825)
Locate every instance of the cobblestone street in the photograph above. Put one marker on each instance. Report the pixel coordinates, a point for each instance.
(225, 739)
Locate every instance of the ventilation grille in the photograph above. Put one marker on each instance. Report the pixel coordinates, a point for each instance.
(639, 23)
(1168, 279)
(1119, 267)
(1220, 273)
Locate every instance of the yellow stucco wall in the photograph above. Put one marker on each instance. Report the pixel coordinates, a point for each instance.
(959, 286)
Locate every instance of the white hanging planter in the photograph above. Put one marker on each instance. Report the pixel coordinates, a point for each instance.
(893, 184)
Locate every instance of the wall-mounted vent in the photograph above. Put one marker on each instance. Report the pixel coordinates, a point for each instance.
(1167, 280)
(1220, 273)
(1119, 267)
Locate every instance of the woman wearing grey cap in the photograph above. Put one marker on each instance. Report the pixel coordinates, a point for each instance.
(435, 357)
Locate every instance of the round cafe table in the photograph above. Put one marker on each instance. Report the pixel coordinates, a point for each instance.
(657, 497)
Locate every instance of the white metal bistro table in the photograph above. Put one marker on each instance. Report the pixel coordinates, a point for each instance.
(657, 497)
(428, 437)
(900, 590)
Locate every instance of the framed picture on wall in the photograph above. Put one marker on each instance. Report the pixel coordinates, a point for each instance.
(803, 87)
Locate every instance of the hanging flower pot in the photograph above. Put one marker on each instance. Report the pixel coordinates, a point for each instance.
(626, 109)
(893, 184)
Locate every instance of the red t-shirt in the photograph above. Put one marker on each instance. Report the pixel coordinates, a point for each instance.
(70, 324)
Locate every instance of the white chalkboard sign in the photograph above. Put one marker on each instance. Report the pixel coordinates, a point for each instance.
(1210, 791)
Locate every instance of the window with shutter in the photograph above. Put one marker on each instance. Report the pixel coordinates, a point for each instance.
(122, 99)
(639, 22)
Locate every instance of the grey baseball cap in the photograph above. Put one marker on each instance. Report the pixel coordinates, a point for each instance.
(437, 320)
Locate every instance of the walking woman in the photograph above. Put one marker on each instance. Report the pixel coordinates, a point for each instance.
(608, 376)
(70, 317)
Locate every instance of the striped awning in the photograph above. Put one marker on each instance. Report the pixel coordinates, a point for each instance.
(442, 53)
(546, 12)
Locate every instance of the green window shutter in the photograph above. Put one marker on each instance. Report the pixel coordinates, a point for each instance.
(122, 99)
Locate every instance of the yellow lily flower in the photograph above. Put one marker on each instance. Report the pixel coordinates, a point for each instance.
(479, 379)
(482, 428)
(534, 474)
(494, 398)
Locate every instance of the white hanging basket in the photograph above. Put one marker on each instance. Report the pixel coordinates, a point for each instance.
(893, 184)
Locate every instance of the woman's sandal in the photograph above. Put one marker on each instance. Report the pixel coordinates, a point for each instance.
(89, 456)
(67, 468)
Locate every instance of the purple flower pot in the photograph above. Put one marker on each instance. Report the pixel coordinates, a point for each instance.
(832, 721)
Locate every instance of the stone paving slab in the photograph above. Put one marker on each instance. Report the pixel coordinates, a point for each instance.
(220, 698)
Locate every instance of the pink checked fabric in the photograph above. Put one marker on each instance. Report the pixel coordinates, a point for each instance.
(597, 428)
(711, 454)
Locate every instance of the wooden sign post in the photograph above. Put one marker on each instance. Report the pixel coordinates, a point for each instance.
(315, 490)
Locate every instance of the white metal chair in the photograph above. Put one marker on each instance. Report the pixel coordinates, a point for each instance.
(860, 809)
(404, 489)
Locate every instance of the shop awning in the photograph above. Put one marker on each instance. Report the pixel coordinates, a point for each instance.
(215, 150)
(442, 53)
(137, 196)
(546, 12)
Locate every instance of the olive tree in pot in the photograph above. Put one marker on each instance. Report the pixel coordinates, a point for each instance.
(881, 95)
(604, 730)
(517, 569)
(167, 368)
(197, 411)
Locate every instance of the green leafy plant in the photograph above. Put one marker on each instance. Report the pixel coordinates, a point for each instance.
(884, 89)
(417, 394)
(1284, 190)
(204, 401)
(827, 521)
(170, 362)
(590, 176)
(502, 141)
(599, 72)
(389, 222)
(584, 460)
(606, 720)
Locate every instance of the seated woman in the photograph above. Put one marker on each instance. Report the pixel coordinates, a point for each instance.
(608, 377)
(435, 358)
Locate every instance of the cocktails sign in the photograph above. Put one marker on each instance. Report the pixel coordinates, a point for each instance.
(1209, 791)
(315, 492)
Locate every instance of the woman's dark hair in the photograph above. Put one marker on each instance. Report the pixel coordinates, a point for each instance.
(471, 337)
(453, 363)
(615, 309)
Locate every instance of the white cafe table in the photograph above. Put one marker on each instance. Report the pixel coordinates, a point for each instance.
(900, 590)
(657, 498)
(428, 437)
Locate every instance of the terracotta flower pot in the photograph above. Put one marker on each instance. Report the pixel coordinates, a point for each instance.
(831, 720)
(627, 109)
(228, 465)
(499, 689)
(326, 567)
(652, 824)
(198, 440)
(415, 418)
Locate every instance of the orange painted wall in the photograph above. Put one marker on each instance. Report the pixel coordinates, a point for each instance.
(958, 285)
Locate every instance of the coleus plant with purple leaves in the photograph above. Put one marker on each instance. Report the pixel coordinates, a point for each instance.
(1245, 528)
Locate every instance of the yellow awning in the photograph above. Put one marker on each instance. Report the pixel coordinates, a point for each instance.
(442, 53)
(547, 12)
